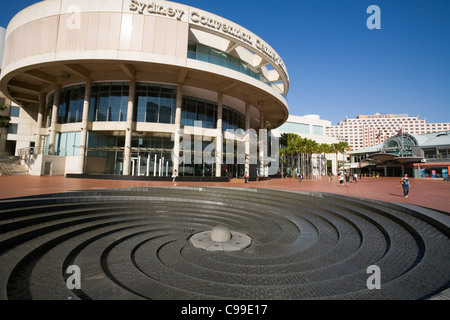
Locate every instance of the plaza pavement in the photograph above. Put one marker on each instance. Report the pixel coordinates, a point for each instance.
(429, 193)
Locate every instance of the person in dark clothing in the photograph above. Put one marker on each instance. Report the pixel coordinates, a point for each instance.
(405, 184)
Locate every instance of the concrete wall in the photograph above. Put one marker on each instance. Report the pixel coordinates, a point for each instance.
(2, 42)
(36, 164)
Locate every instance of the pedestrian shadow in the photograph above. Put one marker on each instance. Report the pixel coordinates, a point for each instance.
(395, 195)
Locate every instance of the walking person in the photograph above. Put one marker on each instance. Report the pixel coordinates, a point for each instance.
(341, 179)
(299, 177)
(405, 184)
(246, 177)
(330, 178)
(174, 177)
(347, 179)
(355, 177)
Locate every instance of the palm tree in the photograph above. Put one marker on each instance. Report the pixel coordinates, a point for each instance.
(313, 148)
(341, 147)
(291, 142)
(324, 149)
(335, 149)
(282, 152)
(301, 155)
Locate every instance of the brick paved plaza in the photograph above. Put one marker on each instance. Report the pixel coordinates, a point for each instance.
(424, 192)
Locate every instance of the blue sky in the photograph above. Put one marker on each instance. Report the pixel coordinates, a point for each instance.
(337, 66)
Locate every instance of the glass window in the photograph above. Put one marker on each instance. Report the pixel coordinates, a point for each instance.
(194, 109)
(155, 103)
(103, 102)
(167, 105)
(71, 105)
(207, 54)
(13, 128)
(114, 103)
(93, 103)
(201, 111)
(209, 115)
(293, 127)
(14, 111)
(225, 122)
(67, 144)
(109, 101)
(140, 103)
(63, 106)
(188, 114)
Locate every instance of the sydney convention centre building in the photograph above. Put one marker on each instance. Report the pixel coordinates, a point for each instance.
(140, 87)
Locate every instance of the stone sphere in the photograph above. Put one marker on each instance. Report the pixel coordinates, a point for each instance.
(221, 233)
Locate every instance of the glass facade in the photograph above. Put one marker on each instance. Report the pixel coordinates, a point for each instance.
(195, 109)
(109, 101)
(295, 127)
(67, 144)
(204, 53)
(104, 153)
(71, 101)
(400, 144)
(155, 103)
(318, 130)
(198, 110)
(14, 111)
(13, 128)
(434, 172)
(151, 153)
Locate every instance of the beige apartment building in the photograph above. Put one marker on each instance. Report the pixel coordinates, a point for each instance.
(369, 130)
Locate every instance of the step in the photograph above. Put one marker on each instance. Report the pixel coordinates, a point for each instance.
(133, 244)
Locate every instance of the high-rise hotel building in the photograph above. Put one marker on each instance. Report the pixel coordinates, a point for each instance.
(368, 130)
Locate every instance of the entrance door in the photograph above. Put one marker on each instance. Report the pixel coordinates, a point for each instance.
(47, 168)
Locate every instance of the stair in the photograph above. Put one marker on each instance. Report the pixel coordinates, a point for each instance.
(134, 244)
(10, 165)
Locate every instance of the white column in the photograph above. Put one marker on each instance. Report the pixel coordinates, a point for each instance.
(84, 127)
(247, 138)
(54, 121)
(263, 146)
(219, 136)
(139, 165)
(37, 139)
(129, 129)
(176, 142)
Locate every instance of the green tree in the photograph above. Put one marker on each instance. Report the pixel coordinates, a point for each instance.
(4, 120)
(312, 147)
(303, 145)
(324, 148)
(341, 147)
(282, 153)
(291, 142)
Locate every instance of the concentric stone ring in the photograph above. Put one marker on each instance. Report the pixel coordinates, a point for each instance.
(135, 244)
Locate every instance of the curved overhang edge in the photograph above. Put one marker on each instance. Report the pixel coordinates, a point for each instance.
(8, 74)
(58, 7)
(216, 25)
